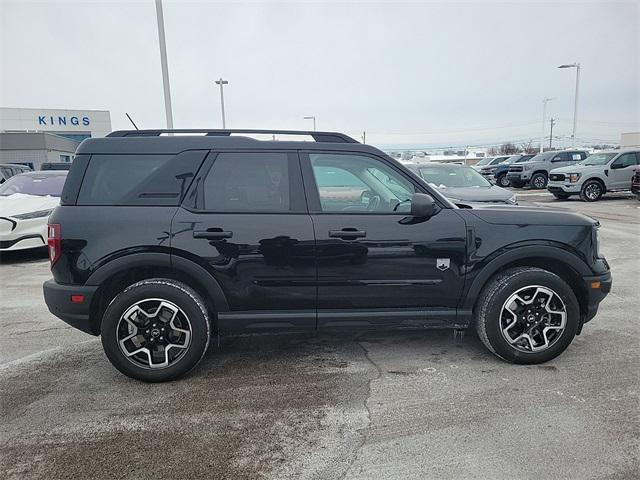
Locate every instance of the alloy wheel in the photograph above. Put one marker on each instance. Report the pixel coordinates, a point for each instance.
(533, 318)
(154, 333)
(592, 191)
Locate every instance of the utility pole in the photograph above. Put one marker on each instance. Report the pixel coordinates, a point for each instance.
(364, 137)
(544, 114)
(575, 101)
(553, 122)
(222, 82)
(165, 68)
(312, 117)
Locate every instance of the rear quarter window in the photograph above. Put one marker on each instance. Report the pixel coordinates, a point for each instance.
(127, 179)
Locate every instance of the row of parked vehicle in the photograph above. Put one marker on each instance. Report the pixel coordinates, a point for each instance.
(565, 173)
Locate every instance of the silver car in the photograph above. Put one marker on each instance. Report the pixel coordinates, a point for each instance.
(462, 184)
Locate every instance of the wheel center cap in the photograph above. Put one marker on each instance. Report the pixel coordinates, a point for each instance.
(155, 332)
(531, 317)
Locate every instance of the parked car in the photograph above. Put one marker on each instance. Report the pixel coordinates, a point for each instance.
(462, 184)
(535, 171)
(602, 172)
(161, 241)
(26, 200)
(500, 173)
(488, 169)
(635, 183)
(56, 166)
(8, 170)
(487, 162)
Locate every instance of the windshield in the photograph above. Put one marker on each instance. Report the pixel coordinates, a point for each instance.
(512, 159)
(484, 161)
(40, 185)
(598, 159)
(447, 177)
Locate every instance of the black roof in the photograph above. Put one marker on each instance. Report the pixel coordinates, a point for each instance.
(162, 142)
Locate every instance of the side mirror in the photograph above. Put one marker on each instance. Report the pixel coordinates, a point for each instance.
(423, 205)
(615, 165)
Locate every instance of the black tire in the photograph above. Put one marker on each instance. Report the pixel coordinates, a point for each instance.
(592, 191)
(561, 196)
(516, 184)
(176, 294)
(539, 181)
(490, 308)
(503, 181)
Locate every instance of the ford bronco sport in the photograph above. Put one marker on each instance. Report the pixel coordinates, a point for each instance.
(163, 241)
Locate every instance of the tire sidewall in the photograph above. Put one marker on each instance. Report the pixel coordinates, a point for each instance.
(174, 292)
(492, 324)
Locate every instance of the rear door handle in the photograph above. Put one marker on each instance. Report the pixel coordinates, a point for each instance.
(347, 233)
(212, 233)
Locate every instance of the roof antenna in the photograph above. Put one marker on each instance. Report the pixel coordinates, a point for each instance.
(131, 120)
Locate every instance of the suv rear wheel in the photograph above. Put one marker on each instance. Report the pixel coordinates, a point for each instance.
(527, 315)
(591, 191)
(538, 181)
(156, 330)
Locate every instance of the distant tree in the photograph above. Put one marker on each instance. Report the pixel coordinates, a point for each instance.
(508, 149)
(528, 147)
(492, 151)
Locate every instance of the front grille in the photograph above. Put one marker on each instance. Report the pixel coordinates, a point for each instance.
(556, 177)
(515, 168)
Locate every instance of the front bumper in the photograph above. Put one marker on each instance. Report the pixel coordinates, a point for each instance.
(58, 300)
(518, 177)
(563, 187)
(22, 234)
(597, 287)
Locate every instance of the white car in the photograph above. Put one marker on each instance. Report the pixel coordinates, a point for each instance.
(26, 200)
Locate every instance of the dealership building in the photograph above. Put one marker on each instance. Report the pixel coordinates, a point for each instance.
(34, 136)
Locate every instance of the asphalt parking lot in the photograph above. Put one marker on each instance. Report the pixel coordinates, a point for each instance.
(376, 405)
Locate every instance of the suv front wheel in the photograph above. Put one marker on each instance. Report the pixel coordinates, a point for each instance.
(591, 191)
(527, 315)
(539, 181)
(156, 330)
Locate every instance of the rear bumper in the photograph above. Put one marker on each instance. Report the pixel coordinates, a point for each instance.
(58, 300)
(597, 287)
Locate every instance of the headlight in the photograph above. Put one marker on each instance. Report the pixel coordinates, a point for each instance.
(574, 177)
(30, 215)
(513, 200)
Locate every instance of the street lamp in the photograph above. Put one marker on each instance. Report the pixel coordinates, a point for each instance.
(314, 121)
(575, 102)
(163, 63)
(544, 114)
(222, 82)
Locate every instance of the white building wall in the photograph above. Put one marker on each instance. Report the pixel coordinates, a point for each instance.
(97, 123)
(630, 140)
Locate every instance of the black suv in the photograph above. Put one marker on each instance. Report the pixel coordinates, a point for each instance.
(162, 241)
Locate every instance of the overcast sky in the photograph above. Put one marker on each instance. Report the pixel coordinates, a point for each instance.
(449, 73)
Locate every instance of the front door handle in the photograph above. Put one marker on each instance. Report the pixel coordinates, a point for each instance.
(347, 233)
(212, 234)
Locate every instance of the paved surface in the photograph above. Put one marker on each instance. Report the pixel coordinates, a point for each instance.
(386, 405)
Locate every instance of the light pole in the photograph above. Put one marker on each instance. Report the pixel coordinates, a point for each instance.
(163, 62)
(544, 114)
(314, 121)
(575, 102)
(222, 82)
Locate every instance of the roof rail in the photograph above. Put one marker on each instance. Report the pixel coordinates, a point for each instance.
(324, 137)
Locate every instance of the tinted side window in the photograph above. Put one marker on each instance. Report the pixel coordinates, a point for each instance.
(138, 179)
(248, 182)
(625, 160)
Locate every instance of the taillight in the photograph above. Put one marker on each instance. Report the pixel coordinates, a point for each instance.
(54, 241)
